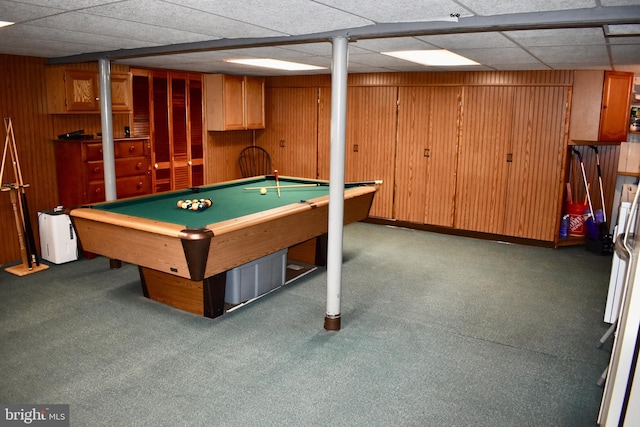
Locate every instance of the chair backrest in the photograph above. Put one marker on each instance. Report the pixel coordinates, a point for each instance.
(254, 161)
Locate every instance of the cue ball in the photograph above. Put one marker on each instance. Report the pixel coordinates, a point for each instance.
(263, 191)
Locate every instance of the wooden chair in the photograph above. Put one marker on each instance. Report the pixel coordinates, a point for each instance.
(254, 161)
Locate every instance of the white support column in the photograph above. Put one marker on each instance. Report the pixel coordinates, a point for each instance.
(336, 180)
(108, 153)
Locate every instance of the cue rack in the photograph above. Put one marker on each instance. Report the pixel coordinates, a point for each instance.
(30, 262)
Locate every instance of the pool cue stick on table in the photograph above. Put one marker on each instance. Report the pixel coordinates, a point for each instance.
(271, 187)
(275, 172)
(318, 184)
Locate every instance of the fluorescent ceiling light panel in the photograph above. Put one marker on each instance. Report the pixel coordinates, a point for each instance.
(275, 63)
(5, 23)
(433, 58)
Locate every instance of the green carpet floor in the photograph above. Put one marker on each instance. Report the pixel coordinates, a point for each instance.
(437, 330)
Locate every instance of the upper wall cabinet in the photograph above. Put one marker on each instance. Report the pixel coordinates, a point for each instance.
(600, 106)
(234, 102)
(78, 91)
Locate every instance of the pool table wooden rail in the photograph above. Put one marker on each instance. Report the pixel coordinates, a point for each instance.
(199, 253)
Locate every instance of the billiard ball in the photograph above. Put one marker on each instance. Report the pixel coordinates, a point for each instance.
(180, 202)
(263, 191)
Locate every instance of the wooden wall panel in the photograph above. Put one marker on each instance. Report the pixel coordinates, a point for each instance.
(529, 78)
(221, 155)
(609, 156)
(291, 133)
(23, 98)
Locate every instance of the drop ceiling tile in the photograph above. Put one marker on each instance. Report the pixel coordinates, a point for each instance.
(156, 13)
(571, 54)
(34, 34)
(521, 67)
(559, 37)
(392, 44)
(619, 2)
(625, 54)
(17, 12)
(497, 56)
(399, 10)
(91, 24)
(297, 17)
(501, 7)
(631, 29)
(468, 41)
(70, 4)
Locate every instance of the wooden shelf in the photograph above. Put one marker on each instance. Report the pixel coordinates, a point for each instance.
(582, 143)
(572, 241)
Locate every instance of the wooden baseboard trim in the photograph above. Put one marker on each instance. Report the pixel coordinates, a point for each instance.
(457, 232)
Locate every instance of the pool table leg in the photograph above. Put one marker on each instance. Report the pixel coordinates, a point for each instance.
(213, 289)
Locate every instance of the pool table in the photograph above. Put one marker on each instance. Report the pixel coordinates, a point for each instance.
(183, 255)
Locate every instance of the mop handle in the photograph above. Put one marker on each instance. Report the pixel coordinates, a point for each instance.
(604, 211)
(584, 179)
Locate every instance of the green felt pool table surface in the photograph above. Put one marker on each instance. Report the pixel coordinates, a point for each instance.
(230, 200)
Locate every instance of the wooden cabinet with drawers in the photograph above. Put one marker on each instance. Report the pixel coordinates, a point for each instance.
(80, 170)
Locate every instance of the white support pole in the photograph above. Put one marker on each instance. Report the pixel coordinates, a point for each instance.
(336, 180)
(108, 153)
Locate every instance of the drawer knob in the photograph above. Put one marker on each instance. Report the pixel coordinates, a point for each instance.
(139, 165)
(96, 169)
(189, 162)
(132, 148)
(140, 184)
(155, 166)
(98, 190)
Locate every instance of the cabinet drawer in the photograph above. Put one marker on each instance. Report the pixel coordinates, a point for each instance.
(93, 151)
(96, 192)
(125, 187)
(95, 171)
(124, 167)
(132, 186)
(131, 166)
(129, 149)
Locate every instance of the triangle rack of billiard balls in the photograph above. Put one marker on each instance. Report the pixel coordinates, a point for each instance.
(194, 204)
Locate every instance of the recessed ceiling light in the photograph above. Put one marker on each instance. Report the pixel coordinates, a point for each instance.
(435, 58)
(5, 23)
(275, 63)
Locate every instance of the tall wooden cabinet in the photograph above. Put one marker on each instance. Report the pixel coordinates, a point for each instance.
(510, 160)
(426, 159)
(169, 106)
(371, 113)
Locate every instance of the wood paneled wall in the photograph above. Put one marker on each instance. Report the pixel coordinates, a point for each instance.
(24, 98)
